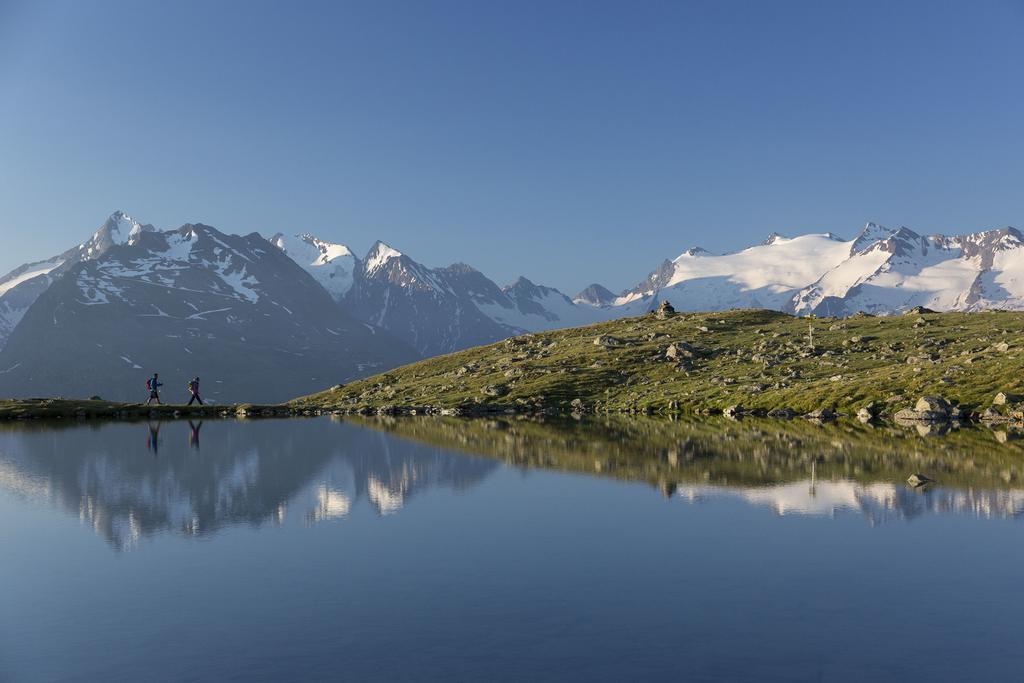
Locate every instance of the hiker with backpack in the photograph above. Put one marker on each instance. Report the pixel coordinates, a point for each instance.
(154, 384)
(193, 388)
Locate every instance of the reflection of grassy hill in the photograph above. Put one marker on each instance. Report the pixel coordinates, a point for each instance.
(760, 359)
(720, 451)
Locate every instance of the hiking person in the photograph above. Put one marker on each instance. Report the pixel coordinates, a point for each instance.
(154, 384)
(193, 388)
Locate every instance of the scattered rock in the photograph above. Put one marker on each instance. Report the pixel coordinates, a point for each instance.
(784, 413)
(665, 310)
(606, 340)
(918, 480)
(494, 390)
(681, 350)
(927, 409)
(1002, 347)
(1003, 398)
(820, 414)
(935, 404)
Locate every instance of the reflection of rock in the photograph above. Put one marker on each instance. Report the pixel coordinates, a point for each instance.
(917, 480)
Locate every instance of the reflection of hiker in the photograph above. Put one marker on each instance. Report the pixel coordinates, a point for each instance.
(193, 388)
(193, 437)
(154, 384)
(154, 438)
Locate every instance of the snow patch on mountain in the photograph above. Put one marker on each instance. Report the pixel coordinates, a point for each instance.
(763, 276)
(27, 273)
(379, 255)
(332, 265)
(531, 307)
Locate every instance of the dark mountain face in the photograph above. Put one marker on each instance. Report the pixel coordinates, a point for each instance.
(233, 310)
(432, 310)
(596, 295)
(20, 288)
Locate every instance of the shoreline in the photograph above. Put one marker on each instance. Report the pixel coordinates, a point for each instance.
(21, 410)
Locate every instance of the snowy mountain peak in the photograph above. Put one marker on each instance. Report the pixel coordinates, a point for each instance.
(771, 239)
(870, 234)
(307, 248)
(330, 264)
(693, 252)
(118, 229)
(595, 295)
(379, 254)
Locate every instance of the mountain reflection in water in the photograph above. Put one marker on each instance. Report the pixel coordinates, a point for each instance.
(129, 481)
(123, 485)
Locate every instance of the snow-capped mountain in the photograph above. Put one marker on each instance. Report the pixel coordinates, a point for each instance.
(432, 309)
(296, 312)
(435, 310)
(881, 271)
(332, 265)
(20, 288)
(763, 276)
(193, 301)
(890, 271)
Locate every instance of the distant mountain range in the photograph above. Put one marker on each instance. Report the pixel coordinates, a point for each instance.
(268, 319)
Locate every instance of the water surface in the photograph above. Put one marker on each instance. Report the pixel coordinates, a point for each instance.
(468, 550)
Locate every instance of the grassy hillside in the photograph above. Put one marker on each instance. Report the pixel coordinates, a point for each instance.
(707, 361)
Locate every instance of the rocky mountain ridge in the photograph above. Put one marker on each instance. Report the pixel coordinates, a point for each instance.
(436, 310)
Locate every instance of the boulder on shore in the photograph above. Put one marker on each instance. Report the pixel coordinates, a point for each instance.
(918, 480)
(733, 411)
(928, 409)
(935, 404)
(1004, 398)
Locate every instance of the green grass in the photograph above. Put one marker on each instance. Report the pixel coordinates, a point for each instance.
(759, 359)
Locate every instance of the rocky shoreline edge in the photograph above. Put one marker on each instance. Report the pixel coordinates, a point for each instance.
(1005, 408)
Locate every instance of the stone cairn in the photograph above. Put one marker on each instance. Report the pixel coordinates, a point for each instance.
(665, 310)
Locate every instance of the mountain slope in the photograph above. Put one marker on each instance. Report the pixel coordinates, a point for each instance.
(21, 287)
(193, 301)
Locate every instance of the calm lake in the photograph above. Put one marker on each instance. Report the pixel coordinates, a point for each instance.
(442, 549)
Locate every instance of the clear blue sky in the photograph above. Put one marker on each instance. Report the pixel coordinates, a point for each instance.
(566, 141)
